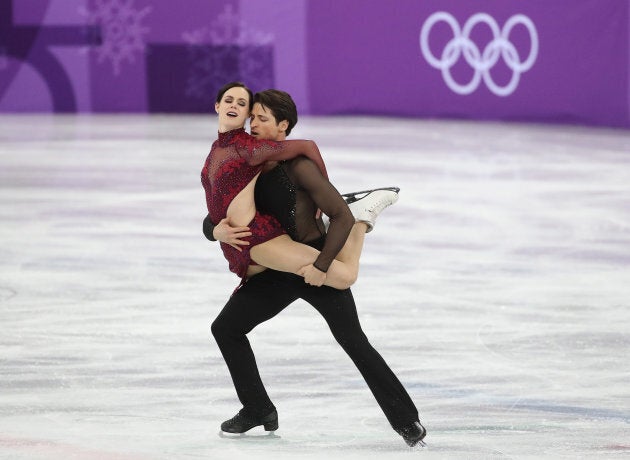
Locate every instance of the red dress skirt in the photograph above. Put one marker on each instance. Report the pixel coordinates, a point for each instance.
(264, 228)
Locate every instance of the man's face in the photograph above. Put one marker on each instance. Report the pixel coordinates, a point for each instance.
(263, 124)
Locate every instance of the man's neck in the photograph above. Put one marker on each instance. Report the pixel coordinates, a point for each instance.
(269, 165)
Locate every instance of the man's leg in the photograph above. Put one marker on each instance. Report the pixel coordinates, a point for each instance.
(262, 297)
(339, 311)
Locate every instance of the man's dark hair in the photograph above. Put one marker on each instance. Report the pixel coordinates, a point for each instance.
(236, 84)
(281, 105)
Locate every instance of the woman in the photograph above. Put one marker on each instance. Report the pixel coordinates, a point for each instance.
(229, 176)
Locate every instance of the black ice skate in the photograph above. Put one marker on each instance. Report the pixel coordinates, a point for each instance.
(368, 204)
(413, 434)
(243, 422)
(354, 196)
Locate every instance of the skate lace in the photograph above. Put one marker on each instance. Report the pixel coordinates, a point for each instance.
(379, 205)
(238, 418)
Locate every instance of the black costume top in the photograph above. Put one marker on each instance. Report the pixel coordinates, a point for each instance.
(292, 192)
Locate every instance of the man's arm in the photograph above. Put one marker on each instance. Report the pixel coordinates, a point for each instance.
(328, 199)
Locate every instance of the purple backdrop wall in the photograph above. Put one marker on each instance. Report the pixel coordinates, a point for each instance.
(540, 60)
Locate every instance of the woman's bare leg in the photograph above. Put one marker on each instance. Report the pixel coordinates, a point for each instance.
(284, 254)
(365, 209)
(351, 251)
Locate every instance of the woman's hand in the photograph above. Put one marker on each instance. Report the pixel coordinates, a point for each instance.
(312, 275)
(227, 234)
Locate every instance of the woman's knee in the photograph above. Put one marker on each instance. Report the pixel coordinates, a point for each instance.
(345, 280)
(352, 278)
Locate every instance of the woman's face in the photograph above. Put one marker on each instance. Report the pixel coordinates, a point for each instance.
(233, 109)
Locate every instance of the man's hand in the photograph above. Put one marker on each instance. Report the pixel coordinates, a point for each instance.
(312, 275)
(227, 234)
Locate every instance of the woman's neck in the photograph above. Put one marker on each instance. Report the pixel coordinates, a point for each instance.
(226, 128)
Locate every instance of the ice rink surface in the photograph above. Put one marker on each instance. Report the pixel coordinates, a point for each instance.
(497, 288)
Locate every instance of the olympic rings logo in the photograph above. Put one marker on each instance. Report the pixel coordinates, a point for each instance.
(481, 62)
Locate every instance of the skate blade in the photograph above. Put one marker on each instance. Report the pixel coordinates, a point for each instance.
(420, 443)
(248, 436)
(355, 196)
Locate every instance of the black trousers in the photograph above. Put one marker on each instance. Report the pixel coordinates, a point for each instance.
(264, 296)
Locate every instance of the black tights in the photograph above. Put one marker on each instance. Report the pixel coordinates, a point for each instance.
(267, 294)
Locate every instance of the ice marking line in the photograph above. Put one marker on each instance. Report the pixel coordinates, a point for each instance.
(511, 364)
(575, 410)
(51, 448)
(7, 293)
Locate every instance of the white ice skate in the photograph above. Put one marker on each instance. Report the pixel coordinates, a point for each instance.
(368, 204)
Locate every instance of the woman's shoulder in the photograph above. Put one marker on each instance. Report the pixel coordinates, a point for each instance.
(252, 142)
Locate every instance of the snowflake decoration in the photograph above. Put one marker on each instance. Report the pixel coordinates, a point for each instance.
(223, 52)
(255, 64)
(121, 29)
(228, 29)
(207, 66)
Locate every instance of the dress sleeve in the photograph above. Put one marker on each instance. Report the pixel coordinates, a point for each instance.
(259, 151)
(208, 228)
(328, 199)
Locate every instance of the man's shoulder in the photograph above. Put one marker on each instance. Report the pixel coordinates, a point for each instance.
(301, 162)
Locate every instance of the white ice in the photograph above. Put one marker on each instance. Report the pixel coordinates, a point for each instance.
(497, 288)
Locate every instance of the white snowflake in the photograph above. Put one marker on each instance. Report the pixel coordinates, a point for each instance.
(229, 29)
(223, 52)
(206, 66)
(122, 31)
(257, 64)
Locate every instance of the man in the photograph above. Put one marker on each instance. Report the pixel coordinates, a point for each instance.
(292, 192)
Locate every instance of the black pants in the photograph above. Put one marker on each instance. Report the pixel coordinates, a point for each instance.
(267, 294)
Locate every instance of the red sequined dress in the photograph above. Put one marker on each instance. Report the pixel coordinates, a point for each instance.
(234, 160)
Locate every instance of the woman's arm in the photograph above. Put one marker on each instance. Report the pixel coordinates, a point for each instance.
(264, 150)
